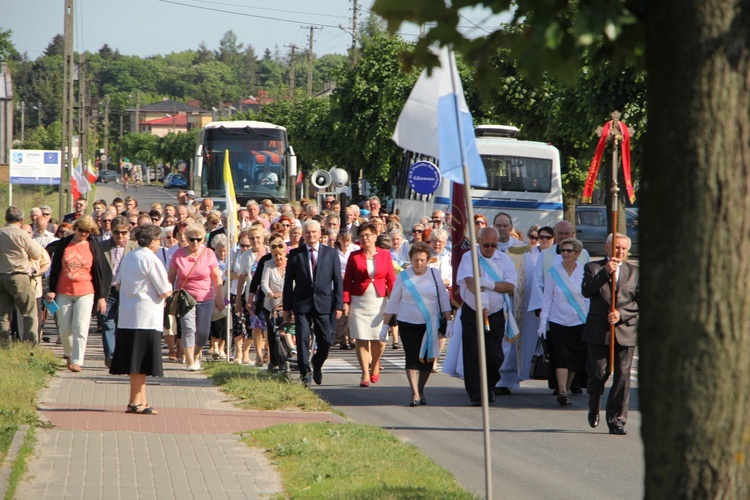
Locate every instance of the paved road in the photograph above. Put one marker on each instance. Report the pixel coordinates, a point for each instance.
(539, 449)
(146, 195)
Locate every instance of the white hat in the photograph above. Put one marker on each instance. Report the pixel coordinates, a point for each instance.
(191, 193)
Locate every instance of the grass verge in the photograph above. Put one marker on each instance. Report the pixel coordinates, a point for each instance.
(326, 460)
(256, 389)
(25, 371)
(19, 466)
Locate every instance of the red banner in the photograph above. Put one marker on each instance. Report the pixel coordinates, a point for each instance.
(459, 230)
(588, 188)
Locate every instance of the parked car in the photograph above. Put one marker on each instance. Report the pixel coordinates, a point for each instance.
(175, 181)
(592, 229)
(107, 176)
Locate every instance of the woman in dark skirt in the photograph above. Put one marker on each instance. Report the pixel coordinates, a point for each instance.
(143, 286)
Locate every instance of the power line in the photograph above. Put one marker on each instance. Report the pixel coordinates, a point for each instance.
(246, 15)
(473, 23)
(266, 8)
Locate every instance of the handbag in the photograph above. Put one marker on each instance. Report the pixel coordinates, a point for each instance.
(443, 326)
(180, 303)
(539, 362)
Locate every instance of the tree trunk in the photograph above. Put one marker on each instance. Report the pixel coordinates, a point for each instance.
(695, 228)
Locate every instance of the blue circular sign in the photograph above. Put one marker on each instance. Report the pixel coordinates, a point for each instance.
(423, 177)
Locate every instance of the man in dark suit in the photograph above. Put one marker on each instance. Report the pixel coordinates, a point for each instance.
(114, 249)
(313, 291)
(597, 283)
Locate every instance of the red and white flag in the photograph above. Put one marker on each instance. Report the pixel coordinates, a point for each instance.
(91, 176)
(79, 186)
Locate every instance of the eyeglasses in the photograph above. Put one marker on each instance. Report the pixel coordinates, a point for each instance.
(82, 230)
(195, 240)
(286, 225)
(544, 237)
(480, 222)
(132, 224)
(106, 220)
(120, 232)
(155, 219)
(417, 230)
(489, 245)
(533, 237)
(566, 250)
(244, 246)
(46, 214)
(280, 245)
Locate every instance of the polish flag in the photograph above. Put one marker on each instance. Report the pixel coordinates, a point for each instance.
(79, 185)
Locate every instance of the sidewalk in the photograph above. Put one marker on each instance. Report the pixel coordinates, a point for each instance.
(93, 449)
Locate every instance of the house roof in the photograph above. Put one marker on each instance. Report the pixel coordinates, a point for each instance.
(174, 121)
(170, 106)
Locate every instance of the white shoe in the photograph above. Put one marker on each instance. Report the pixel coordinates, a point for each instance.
(198, 364)
(194, 367)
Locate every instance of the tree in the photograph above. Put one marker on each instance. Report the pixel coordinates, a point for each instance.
(695, 324)
(8, 51)
(174, 147)
(229, 50)
(56, 47)
(141, 147)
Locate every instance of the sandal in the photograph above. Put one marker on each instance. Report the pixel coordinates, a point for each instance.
(395, 345)
(132, 408)
(146, 410)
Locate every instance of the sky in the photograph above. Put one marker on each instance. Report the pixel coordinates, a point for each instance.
(149, 27)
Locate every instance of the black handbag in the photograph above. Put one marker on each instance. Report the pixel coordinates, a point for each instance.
(443, 326)
(180, 302)
(539, 362)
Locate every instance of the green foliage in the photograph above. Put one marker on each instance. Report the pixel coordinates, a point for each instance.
(141, 148)
(173, 147)
(543, 36)
(8, 51)
(49, 137)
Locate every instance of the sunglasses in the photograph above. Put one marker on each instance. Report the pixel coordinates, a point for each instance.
(120, 232)
(489, 245)
(480, 222)
(417, 230)
(155, 219)
(46, 214)
(82, 230)
(133, 224)
(195, 240)
(566, 250)
(286, 225)
(543, 237)
(273, 247)
(533, 237)
(106, 220)
(244, 246)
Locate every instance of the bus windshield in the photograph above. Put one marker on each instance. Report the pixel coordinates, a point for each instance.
(515, 173)
(256, 157)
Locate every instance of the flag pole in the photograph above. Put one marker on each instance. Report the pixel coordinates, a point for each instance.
(615, 189)
(477, 288)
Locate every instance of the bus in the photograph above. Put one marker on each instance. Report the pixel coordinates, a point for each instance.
(262, 161)
(523, 176)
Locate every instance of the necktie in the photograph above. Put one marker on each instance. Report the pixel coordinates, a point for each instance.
(313, 260)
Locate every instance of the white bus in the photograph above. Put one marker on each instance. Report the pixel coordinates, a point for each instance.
(523, 176)
(254, 147)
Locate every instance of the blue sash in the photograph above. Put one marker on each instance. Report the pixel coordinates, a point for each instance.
(511, 328)
(568, 293)
(427, 349)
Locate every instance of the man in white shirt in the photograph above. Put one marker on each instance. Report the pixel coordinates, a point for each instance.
(504, 225)
(497, 277)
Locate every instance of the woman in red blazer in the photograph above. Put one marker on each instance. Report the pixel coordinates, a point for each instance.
(368, 281)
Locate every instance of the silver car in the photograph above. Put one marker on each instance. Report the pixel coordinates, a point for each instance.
(592, 229)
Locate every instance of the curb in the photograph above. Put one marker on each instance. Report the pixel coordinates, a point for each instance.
(7, 466)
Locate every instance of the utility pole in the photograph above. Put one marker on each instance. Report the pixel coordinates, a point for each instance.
(137, 111)
(22, 107)
(38, 107)
(119, 148)
(291, 71)
(106, 131)
(67, 110)
(354, 32)
(310, 59)
(83, 122)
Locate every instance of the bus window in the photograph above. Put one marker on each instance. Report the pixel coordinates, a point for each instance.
(513, 173)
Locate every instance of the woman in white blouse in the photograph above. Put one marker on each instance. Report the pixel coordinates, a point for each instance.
(417, 317)
(272, 284)
(565, 308)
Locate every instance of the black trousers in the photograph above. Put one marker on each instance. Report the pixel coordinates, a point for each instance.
(306, 324)
(493, 344)
(599, 371)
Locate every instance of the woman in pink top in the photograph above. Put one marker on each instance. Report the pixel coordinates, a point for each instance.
(196, 269)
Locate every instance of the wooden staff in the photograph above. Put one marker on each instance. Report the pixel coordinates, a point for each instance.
(616, 135)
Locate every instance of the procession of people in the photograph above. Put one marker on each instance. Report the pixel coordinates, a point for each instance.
(302, 282)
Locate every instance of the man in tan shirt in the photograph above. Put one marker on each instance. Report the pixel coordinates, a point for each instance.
(15, 275)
